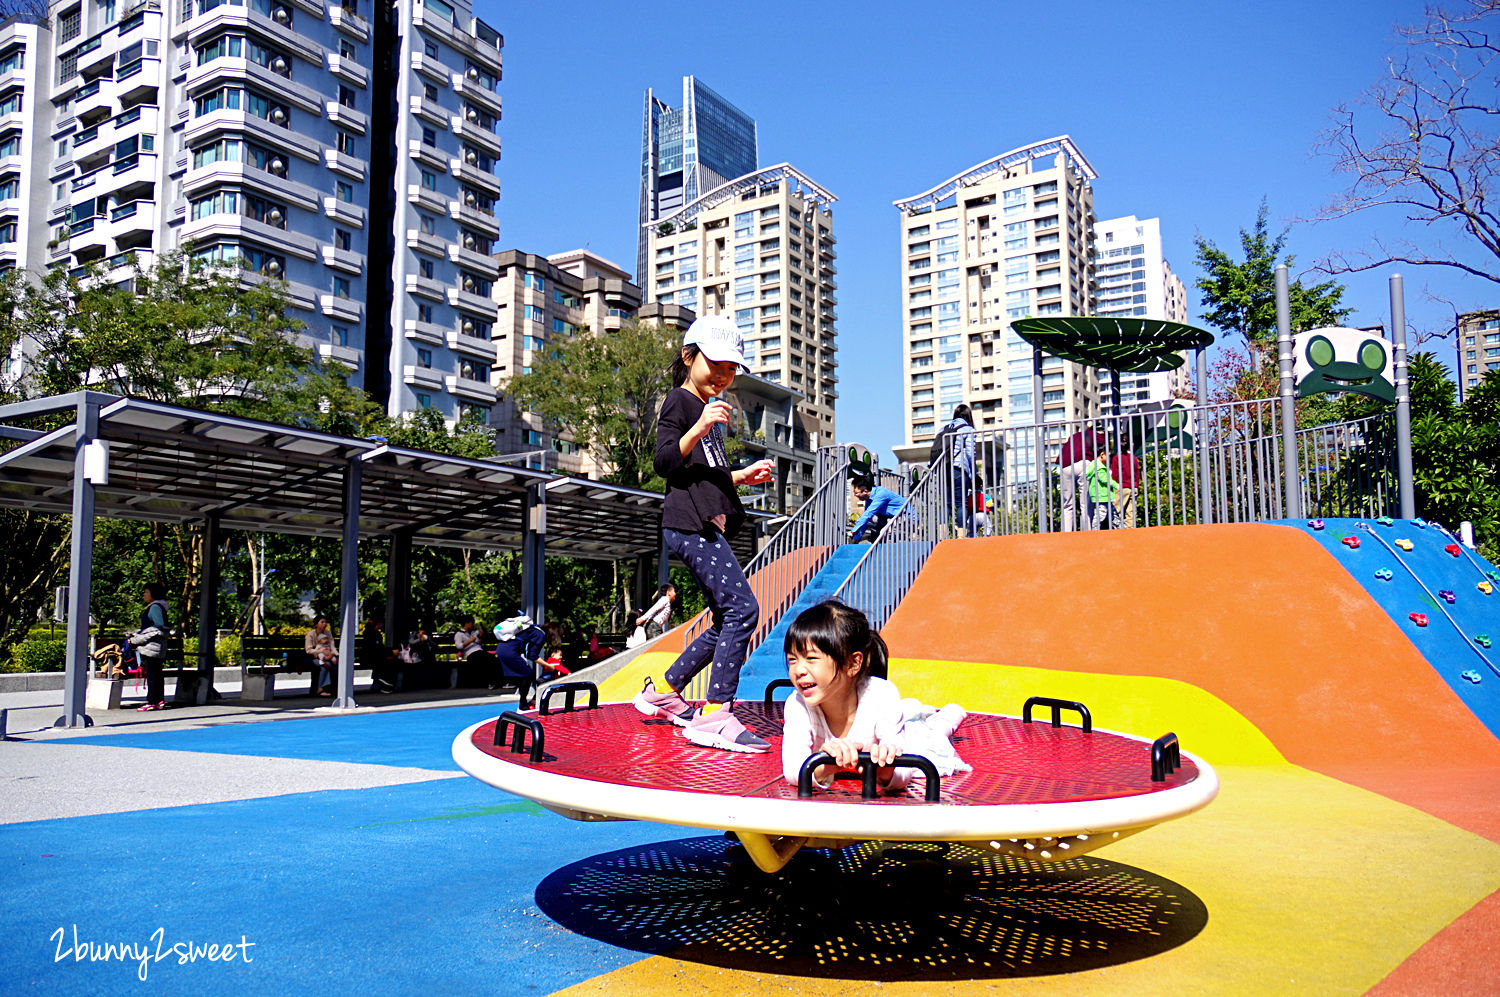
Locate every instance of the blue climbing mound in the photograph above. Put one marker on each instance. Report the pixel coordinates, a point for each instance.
(768, 662)
(1457, 628)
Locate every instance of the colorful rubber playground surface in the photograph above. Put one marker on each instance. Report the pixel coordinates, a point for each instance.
(1354, 846)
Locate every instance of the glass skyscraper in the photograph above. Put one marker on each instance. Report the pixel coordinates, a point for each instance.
(687, 151)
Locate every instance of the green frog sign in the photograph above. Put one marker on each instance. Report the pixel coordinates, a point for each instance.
(862, 462)
(1337, 359)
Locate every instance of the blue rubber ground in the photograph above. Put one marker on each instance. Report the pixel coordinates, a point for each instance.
(1446, 646)
(420, 888)
(400, 738)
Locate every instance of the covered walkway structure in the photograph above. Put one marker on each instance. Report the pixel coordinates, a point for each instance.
(90, 454)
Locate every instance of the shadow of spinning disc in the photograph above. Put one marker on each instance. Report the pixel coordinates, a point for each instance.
(879, 910)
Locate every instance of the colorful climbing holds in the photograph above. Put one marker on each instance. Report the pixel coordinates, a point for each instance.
(1404, 544)
(1314, 524)
(1471, 676)
(1385, 521)
(1493, 576)
(1384, 574)
(1420, 619)
(1486, 588)
(1447, 596)
(1483, 640)
(1351, 542)
(1420, 524)
(1452, 549)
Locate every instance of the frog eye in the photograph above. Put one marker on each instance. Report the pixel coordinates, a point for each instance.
(1372, 355)
(1320, 351)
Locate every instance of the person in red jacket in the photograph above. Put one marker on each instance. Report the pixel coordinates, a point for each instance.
(1073, 462)
(1125, 468)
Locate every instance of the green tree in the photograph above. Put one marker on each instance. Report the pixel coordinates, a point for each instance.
(1456, 451)
(1239, 296)
(604, 391)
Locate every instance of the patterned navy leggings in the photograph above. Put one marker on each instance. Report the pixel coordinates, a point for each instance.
(734, 613)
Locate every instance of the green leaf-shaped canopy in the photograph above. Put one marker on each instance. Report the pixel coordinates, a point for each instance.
(1139, 345)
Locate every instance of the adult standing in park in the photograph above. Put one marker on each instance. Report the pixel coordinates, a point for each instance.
(149, 640)
(1073, 461)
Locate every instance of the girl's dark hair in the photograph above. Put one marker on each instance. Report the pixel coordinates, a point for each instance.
(962, 411)
(839, 631)
(632, 619)
(661, 590)
(680, 365)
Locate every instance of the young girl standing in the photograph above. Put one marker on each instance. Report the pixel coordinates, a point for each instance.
(700, 512)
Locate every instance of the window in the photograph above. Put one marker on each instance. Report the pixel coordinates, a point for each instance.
(341, 287)
(425, 268)
(531, 313)
(424, 313)
(346, 97)
(429, 137)
(424, 357)
(346, 49)
(346, 143)
(10, 103)
(424, 400)
(429, 180)
(340, 336)
(342, 239)
(430, 49)
(533, 281)
(344, 192)
(429, 93)
(11, 61)
(69, 25)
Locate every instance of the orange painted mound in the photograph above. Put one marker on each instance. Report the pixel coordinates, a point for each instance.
(1260, 616)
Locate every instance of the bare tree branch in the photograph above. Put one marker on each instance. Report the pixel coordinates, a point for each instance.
(1425, 141)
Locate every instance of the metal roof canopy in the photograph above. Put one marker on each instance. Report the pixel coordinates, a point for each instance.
(1136, 345)
(166, 463)
(178, 465)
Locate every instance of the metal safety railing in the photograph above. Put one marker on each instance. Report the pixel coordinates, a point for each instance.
(886, 571)
(1205, 464)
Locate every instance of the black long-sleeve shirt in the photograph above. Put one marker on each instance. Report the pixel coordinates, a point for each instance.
(699, 486)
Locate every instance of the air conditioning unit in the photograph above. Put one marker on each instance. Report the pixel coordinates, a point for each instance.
(281, 16)
(278, 116)
(277, 168)
(468, 241)
(471, 115)
(273, 267)
(274, 216)
(471, 157)
(468, 325)
(278, 65)
(470, 199)
(469, 284)
(473, 74)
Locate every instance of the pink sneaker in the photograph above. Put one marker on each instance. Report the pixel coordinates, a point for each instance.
(668, 705)
(722, 729)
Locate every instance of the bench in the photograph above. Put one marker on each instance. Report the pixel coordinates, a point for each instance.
(264, 656)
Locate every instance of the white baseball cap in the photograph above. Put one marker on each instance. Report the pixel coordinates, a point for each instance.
(718, 337)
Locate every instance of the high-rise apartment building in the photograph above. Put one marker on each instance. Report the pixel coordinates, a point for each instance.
(761, 248)
(22, 186)
(350, 153)
(1135, 280)
(1012, 236)
(689, 150)
(1478, 348)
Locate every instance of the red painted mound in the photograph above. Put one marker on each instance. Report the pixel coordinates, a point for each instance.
(1260, 616)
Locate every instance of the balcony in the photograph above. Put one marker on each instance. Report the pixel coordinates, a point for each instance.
(348, 70)
(475, 261)
(427, 155)
(471, 89)
(346, 309)
(346, 356)
(422, 377)
(349, 23)
(463, 387)
(425, 287)
(472, 133)
(347, 117)
(473, 346)
(343, 211)
(430, 199)
(346, 260)
(474, 176)
(345, 165)
(476, 219)
(429, 111)
(425, 242)
(478, 304)
(425, 332)
(430, 67)
(257, 130)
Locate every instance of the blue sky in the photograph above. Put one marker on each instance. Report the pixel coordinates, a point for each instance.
(1190, 112)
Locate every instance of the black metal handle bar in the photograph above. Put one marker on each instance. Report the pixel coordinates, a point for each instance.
(519, 723)
(1057, 706)
(1166, 757)
(572, 689)
(868, 770)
